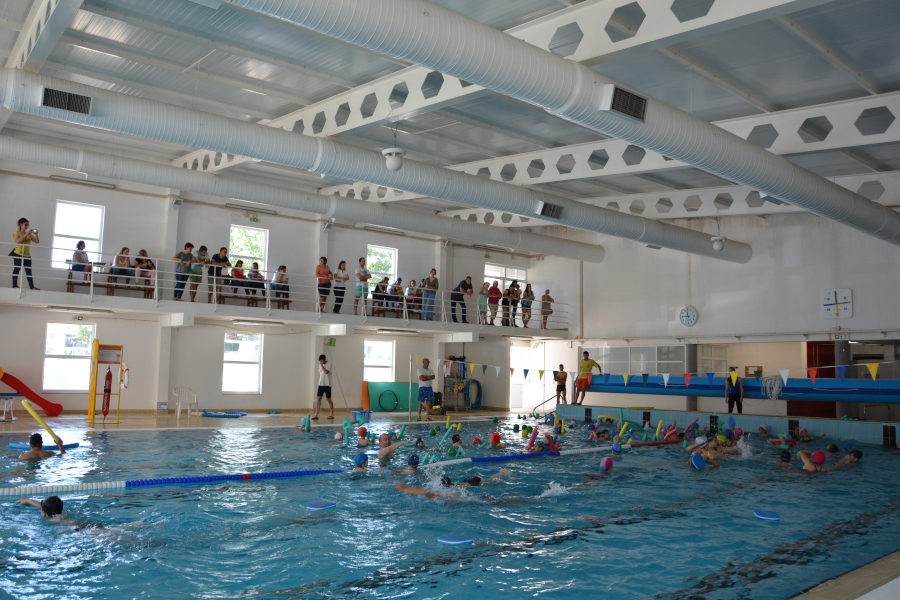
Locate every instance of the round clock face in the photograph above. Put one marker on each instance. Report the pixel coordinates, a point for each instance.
(689, 316)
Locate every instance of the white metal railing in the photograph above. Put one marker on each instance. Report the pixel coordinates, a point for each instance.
(301, 290)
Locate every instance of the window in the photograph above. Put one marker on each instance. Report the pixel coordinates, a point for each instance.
(711, 359)
(67, 357)
(248, 244)
(505, 275)
(242, 368)
(652, 360)
(76, 222)
(381, 262)
(378, 361)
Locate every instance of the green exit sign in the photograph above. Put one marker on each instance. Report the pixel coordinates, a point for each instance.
(79, 318)
(254, 220)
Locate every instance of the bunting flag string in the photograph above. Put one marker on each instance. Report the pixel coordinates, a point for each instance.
(448, 364)
(625, 377)
(511, 370)
(555, 375)
(710, 377)
(483, 369)
(471, 367)
(812, 374)
(526, 374)
(498, 371)
(606, 378)
(540, 375)
(784, 374)
(757, 373)
(645, 377)
(687, 379)
(665, 377)
(734, 377)
(841, 371)
(417, 359)
(873, 369)
(574, 376)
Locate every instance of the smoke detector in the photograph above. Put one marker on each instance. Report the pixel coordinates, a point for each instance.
(393, 158)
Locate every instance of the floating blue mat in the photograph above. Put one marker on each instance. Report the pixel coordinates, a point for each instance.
(18, 446)
(321, 505)
(455, 540)
(663, 454)
(766, 515)
(224, 415)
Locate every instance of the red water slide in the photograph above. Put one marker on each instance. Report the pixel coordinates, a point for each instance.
(50, 408)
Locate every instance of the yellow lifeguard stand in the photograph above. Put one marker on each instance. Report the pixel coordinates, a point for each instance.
(103, 354)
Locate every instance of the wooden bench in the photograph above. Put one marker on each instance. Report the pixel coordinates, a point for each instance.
(252, 300)
(380, 307)
(110, 288)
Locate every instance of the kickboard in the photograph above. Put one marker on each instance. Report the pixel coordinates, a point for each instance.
(455, 540)
(766, 515)
(18, 446)
(321, 505)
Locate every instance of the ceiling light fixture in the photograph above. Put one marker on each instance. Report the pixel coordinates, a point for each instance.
(79, 311)
(98, 184)
(389, 230)
(258, 323)
(253, 209)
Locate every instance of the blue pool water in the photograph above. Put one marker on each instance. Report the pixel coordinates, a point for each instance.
(656, 530)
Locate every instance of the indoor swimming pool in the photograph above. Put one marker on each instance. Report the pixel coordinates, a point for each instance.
(656, 528)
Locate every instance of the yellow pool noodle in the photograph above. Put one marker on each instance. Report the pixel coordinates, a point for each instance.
(37, 418)
(448, 422)
(658, 429)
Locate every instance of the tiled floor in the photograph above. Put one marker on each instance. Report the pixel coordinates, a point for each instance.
(872, 581)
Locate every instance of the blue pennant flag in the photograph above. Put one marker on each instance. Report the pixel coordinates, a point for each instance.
(841, 370)
(526, 374)
(710, 377)
(606, 378)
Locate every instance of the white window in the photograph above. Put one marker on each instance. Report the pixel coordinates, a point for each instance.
(248, 244)
(639, 360)
(67, 357)
(75, 223)
(378, 361)
(242, 368)
(381, 262)
(711, 359)
(505, 275)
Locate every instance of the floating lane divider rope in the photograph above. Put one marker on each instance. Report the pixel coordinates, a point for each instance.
(106, 485)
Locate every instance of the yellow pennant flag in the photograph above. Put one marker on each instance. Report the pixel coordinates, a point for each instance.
(734, 377)
(471, 367)
(625, 377)
(417, 359)
(540, 374)
(873, 369)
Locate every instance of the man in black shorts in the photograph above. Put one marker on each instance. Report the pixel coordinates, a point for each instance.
(734, 392)
(214, 273)
(561, 377)
(324, 387)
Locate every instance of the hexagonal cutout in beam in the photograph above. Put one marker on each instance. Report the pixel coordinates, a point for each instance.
(613, 206)
(688, 10)
(565, 40)
(815, 129)
(488, 218)
(368, 106)
(763, 135)
(637, 207)
(692, 203)
(506, 218)
(318, 123)
(723, 201)
(664, 205)
(624, 22)
(598, 159)
(431, 87)
(298, 127)
(754, 200)
(484, 173)
(565, 164)
(342, 114)
(633, 155)
(536, 168)
(873, 190)
(472, 217)
(874, 121)
(398, 95)
(508, 172)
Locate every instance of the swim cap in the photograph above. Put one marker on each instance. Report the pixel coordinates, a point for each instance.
(476, 441)
(857, 454)
(361, 459)
(338, 435)
(819, 457)
(831, 447)
(539, 444)
(803, 430)
(701, 441)
(445, 481)
(697, 462)
(606, 464)
(617, 448)
(420, 441)
(494, 438)
(413, 460)
(456, 438)
(738, 432)
(362, 432)
(729, 434)
(786, 456)
(722, 439)
(848, 447)
(602, 431)
(591, 427)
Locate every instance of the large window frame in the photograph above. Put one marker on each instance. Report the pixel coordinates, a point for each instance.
(378, 274)
(65, 239)
(505, 275)
(375, 367)
(636, 360)
(72, 352)
(237, 252)
(712, 359)
(234, 354)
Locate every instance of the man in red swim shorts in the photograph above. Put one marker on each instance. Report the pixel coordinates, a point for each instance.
(585, 366)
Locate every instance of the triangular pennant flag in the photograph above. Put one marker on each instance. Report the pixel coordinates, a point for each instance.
(687, 379)
(483, 369)
(448, 364)
(665, 379)
(606, 378)
(498, 371)
(873, 369)
(710, 377)
(540, 374)
(555, 375)
(625, 377)
(784, 374)
(526, 373)
(757, 373)
(471, 367)
(417, 359)
(841, 371)
(511, 371)
(645, 377)
(812, 373)
(734, 377)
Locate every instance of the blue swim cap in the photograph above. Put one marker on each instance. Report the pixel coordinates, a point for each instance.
(361, 459)
(697, 462)
(786, 455)
(848, 447)
(413, 460)
(729, 434)
(617, 448)
(591, 427)
(857, 454)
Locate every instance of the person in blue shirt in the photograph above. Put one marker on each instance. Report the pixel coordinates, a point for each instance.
(464, 287)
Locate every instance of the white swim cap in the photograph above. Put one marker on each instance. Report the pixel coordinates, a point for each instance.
(339, 435)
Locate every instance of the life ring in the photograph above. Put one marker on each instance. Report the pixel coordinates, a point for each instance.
(126, 376)
(393, 406)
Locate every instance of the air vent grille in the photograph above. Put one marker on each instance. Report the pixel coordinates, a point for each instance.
(552, 211)
(66, 101)
(629, 104)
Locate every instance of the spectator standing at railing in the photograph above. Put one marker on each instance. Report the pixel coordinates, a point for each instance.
(504, 304)
(340, 285)
(238, 280)
(514, 296)
(200, 258)
(145, 269)
(257, 280)
(527, 299)
(463, 288)
(412, 300)
(324, 274)
(431, 287)
(219, 262)
(279, 283)
(22, 252)
(182, 269)
(122, 267)
(396, 294)
(80, 260)
(483, 297)
(546, 311)
(362, 285)
(494, 300)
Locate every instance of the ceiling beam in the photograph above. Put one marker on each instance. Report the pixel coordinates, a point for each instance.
(7, 24)
(45, 24)
(222, 46)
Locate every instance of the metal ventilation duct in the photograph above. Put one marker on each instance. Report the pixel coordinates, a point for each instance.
(355, 211)
(140, 117)
(437, 38)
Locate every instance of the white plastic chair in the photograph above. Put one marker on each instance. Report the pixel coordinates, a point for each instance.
(187, 398)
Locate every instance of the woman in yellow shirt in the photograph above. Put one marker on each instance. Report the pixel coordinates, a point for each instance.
(22, 252)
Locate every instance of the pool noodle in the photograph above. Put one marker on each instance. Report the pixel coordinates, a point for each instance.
(17, 446)
(671, 433)
(37, 418)
(402, 431)
(449, 431)
(608, 417)
(531, 440)
(691, 424)
(624, 427)
(658, 429)
(448, 421)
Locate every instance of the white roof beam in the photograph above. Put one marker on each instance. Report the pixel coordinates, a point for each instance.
(45, 24)
(7, 24)
(658, 30)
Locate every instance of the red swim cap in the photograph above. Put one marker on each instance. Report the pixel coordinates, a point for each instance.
(495, 438)
(819, 457)
(476, 441)
(363, 431)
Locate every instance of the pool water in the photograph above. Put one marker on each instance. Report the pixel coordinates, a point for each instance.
(656, 529)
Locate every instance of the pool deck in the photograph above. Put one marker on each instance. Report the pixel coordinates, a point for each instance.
(878, 580)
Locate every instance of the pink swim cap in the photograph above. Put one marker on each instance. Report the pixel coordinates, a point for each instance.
(495, 438)
(803, 430)
(819, 457)
(738, 432)
(606, 464)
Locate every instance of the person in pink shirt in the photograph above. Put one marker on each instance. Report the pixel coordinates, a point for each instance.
(494, 299)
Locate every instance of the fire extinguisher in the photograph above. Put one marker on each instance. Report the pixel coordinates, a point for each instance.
(107, 390)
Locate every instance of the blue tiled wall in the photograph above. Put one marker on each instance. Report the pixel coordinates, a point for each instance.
(869, 432)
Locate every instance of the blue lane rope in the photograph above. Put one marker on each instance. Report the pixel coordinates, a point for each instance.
(235, 477)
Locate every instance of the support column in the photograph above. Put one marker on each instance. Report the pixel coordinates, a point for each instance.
(842, 357)
(162, 368)
(690, 366)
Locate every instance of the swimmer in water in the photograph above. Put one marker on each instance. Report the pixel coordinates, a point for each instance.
(784, 459)
(363, 440)
(420, 443)
(537, 447)
(362, 461)
(474, 481)
(52, 507)
(494, 440)
(606, 468)
(412, 465)
(418, 491)
(387, 448)
(457, 441)
(813, 461)
(603, 436)
(708, 460)
(37, 449)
